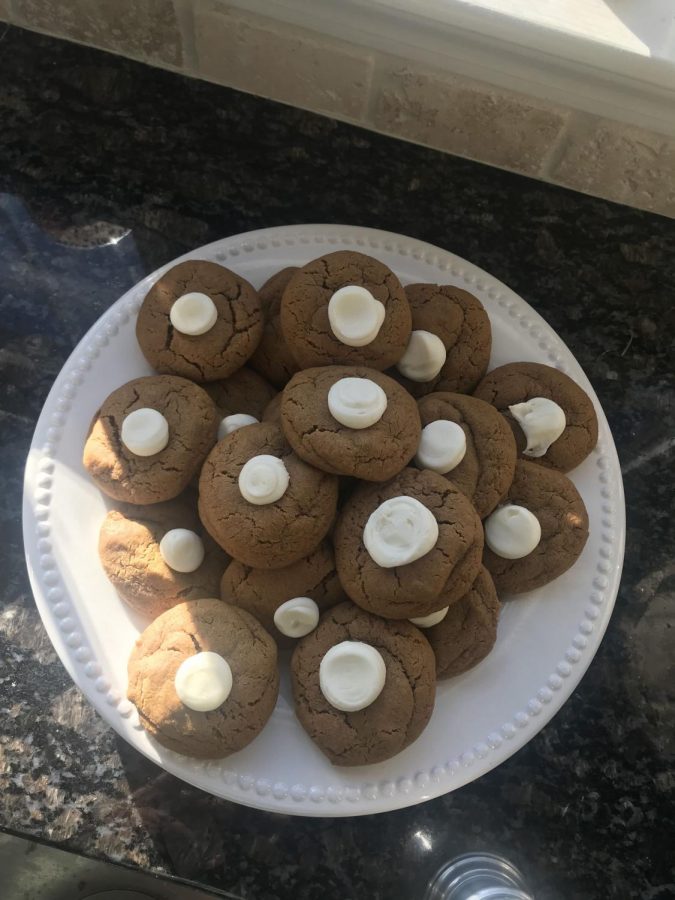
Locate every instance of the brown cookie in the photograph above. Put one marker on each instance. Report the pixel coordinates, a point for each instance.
(460, 321)
(273, 360)
(272, 535)
(521, 381)
(486, 472)
(128, 546)
(192, 420)
(262, 591)
(272, 412)
(225, 347)
(376, 453)
(304, 312)
(427, 584)
(243, 392)
(181, 632)
(561, 512)
(469, 630)
(395, 718)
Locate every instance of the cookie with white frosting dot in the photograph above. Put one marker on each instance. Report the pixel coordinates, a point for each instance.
(553, 419)
(287, 602)
(345, 308)
(350, 420)
(450, 343)
(478, 455)
(159, 555)
(364, 688)
(199, 320)
(468, 632)
(149, 438)
(263, 504)
(204, 678)
(409, 547)
(537, 533)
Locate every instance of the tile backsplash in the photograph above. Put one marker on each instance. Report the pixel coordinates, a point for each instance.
(258, 54)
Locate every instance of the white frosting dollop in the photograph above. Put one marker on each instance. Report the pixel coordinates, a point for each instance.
(442, 446)
(234, 423)
(512, 531)
(355, 316)
(263, 479)
(542, 421)
(356, 402)
(145, 432)
(203, 682)
(352, 675)
(432, 619)
(193, 314)
(182, 550)
(424, 356)
(297, 617)
(399, 531)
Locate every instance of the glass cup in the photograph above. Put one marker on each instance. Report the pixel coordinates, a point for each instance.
(478, 876)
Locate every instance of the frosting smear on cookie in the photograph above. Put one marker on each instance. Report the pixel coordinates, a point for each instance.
(542, 421)
(400, 531)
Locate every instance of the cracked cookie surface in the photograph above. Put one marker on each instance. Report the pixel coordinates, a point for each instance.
(561, 512)
(193, 423)
(438, 578)
(222, 349)
(376, 453)
(193, 627)
(460, 321)
(304, 312)
(469, 630)
(128, 547)
(273, 359)
(521, 381)
(486, 472)
(243, 392)
(261, 591)
(272, 535)
(399, 714)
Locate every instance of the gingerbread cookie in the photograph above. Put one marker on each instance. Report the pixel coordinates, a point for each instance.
(469, 442)
(272, 412)
(287, 602)
(157, 556)
(364, 688)
(468, 630)
(273, 360)
(345, 308)
(204, 678)
(241, 399)
(264, 505)
(409, 547)
(199, 320)
(350, 420)
(552, 418)
(538, 532)
(149, 438)
(451, 340)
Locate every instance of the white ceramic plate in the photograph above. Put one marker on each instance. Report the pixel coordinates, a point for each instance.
(546, 639)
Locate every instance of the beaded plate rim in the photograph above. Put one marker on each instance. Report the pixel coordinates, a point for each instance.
(60, 617)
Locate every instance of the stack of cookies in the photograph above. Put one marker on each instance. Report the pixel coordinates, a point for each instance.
(326, 465)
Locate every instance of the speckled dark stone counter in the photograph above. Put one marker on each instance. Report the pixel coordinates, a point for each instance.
(107, 170)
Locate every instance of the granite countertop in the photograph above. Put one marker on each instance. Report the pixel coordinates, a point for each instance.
(109, 169)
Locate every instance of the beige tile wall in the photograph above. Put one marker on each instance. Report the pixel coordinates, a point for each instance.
(481, 121)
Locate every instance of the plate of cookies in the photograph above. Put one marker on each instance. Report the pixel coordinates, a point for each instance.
(324, 520)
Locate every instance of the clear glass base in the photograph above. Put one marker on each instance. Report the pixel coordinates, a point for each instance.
(478, 876)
